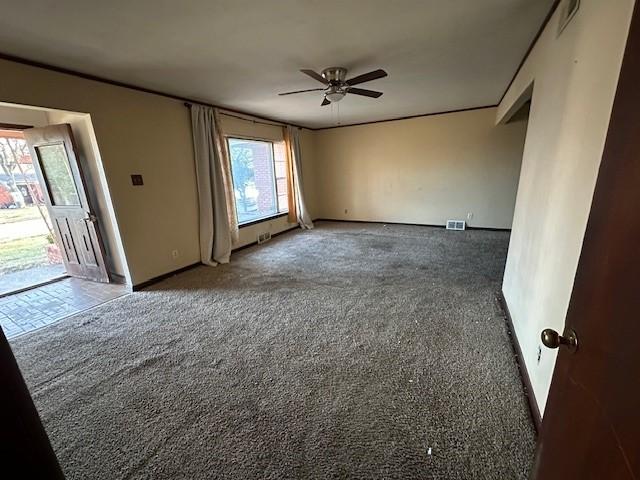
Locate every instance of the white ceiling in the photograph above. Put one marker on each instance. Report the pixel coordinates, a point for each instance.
(440, 54)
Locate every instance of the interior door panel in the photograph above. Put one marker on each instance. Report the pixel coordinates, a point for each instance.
(60, 172)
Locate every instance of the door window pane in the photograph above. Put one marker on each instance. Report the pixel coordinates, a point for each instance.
(57, 173)
(257, 195)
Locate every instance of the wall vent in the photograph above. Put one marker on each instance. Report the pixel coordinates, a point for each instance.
(264, 237)
(569, 9)
(456, 225)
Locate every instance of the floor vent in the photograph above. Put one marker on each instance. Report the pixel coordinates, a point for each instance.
(264, 237)
(455, 225)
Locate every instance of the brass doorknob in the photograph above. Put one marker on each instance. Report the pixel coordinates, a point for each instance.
(551, 339)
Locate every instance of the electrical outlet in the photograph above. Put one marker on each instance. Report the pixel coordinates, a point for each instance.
(175, 253)
(469, 215)
(539, 353)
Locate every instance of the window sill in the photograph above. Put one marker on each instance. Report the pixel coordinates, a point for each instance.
(263, 219)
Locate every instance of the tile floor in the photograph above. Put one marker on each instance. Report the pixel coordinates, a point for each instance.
(22, 312)
(11, 282)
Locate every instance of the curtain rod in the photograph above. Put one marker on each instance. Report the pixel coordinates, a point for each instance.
(222, 112)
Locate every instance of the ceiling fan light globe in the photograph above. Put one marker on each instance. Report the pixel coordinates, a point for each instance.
(334, 96)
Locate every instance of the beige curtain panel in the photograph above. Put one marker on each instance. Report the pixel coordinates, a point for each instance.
(297, 207)
(227, 179)
(218, 224)
(292, 216)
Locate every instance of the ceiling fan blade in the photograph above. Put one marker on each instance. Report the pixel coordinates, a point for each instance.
(364, 93)
(367, 77)
(325, 102)
(302, 91)
(316, 76)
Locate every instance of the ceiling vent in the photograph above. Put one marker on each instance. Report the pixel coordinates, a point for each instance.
(569, 9)
(455, 225)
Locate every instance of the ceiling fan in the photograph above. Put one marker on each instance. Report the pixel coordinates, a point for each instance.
(336, 85)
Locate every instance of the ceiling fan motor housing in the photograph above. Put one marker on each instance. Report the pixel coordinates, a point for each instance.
(335, 75)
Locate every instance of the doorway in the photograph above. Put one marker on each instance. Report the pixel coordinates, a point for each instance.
(60, 246)
(29, 253)
(49, 245)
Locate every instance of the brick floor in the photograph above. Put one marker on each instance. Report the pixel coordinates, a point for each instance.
(26, 311)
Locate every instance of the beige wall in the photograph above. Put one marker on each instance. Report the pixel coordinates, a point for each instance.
(574, 80)
(424, 170)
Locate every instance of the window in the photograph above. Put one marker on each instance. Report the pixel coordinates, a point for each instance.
(259, 174)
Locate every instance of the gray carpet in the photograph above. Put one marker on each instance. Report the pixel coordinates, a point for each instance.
(351, 351)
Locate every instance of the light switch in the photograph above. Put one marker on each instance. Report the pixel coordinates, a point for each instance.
(136, 180)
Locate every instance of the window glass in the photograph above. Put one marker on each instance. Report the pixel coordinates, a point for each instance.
(259, 179)
(57, 173)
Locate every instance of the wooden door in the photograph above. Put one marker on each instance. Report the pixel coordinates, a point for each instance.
(54, 156)
(591, 426)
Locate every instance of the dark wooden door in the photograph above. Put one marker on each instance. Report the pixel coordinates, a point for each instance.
(54, 156)
(25, 451)
(591, 426)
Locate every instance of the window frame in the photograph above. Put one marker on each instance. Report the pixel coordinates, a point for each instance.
(270, 141)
